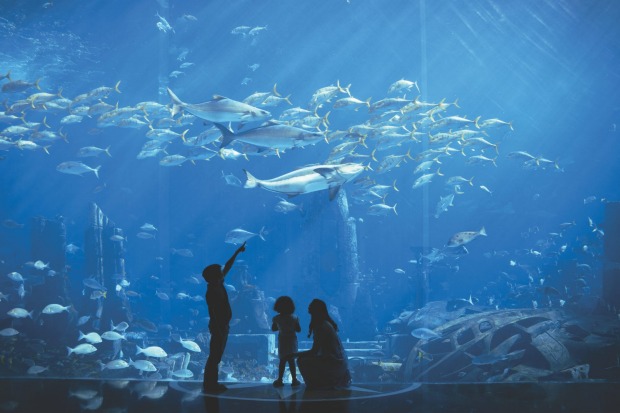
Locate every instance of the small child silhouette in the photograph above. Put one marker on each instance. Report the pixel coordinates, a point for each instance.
(288, 326)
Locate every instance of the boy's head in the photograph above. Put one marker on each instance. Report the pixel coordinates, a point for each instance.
(212, 273)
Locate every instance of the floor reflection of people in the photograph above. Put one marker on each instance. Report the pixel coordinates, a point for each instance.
(301, 404)
(211, 404)
(325, 365)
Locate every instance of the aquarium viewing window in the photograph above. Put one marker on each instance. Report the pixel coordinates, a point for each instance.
(443, 175)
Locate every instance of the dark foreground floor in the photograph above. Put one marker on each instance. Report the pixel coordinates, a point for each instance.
(63, 395)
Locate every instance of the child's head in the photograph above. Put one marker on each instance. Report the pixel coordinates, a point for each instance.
(212, 273)
(284, 305)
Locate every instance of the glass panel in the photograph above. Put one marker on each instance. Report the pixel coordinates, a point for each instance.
(441, 175)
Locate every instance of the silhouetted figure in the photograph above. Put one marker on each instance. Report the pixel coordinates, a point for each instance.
(288, 326)
(220, 315)
(325, 365)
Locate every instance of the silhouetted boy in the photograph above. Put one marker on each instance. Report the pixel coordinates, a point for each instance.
(220, 314)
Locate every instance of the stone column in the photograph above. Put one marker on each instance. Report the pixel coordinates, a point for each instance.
(611, 271)
(105, 263)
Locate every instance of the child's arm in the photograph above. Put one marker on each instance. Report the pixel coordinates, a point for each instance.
(231, 260)
(297, 326)
(274, 325)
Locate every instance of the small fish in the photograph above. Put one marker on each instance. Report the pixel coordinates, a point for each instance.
(153, 351)
(70, 119)
(40, 265)
(190, 345)
(485, 189)
(112, 336)
(462, 238)
(163, 24)
(381, 209)
(239, 236)
(55, 309)
(403, 85)
(93, 151)
(81, 349)
(19, 313)
(143, 365)
(114, 365)
(231, 180)
(95, 294)
(16, 86)
(92, 338)
(72, 249)
(493, 123)
(77, 168)
(183, 252)
(162, 296)
(148, 227)
(283, 206)
(122, 326)
(92, 283)
(145, 325)
(15, 276)
(243, 30)
(8, 332)
(425, 179)
(443, 204)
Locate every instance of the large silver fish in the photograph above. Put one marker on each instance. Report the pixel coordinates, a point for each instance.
(220, 109)
(309, 179)
(273, 136)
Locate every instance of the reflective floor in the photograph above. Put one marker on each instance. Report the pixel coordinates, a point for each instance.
(62, 395)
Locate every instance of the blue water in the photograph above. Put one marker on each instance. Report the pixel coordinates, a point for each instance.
(550, 68)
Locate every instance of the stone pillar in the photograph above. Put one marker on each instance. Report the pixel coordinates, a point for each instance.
(309, 266)
(349, 262)
(105, 263)
(611, 271)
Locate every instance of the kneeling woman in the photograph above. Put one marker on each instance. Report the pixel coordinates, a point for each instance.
(325, 365)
